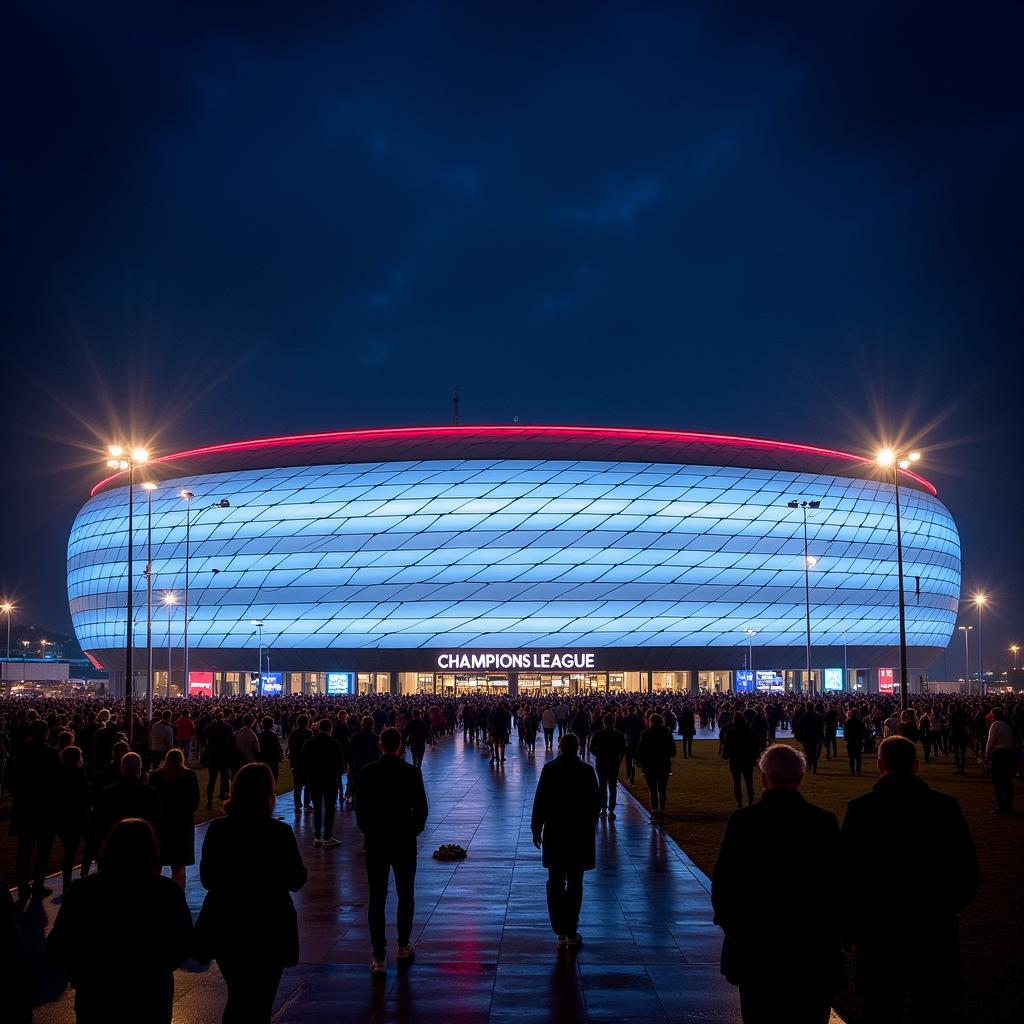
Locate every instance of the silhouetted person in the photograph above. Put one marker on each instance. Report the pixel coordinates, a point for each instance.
(250, 865)
(32, 779)
(297, 740)
(218, 756)
(654, 754)
(129, 797)
(741, 749)
(926, 831)
(324, 761)
(271, 753)
(809, 729)
(566, 807)
(73, 803)
(1001, 755)
(178, 787)
(415, 737)
(17, 992)
(687, 729)
(365, 750)
(781, 828)
(89, 936)
(854, 734)
(608, 746)
(391, 811)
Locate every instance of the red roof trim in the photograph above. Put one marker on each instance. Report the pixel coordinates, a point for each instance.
(606, 432)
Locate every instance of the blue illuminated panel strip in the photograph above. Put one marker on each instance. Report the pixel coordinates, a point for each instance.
(519, 553)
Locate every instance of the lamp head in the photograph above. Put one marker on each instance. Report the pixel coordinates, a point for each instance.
(811, 561)
(6, 607)
(904, 463)
(793, 504)
(814, 504)
(224, 503)
(170, 598)
(885, 457)
(140, 455)
(115, 451)
(186, 494)
(148, 485)
(980, 599)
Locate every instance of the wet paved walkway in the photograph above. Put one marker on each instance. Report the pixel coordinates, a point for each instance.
(485, 952)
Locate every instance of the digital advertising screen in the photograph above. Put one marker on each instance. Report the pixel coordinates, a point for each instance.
(270, 684)
(886, 682)
(200, 684)
(833, 679)
(340, 684)
(743, 680)
(770, 681)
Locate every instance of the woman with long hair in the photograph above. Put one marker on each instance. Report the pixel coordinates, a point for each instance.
(178, 787)
(249, 867)
(90, 932)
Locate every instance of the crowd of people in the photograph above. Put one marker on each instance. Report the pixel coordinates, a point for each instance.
(127, 799)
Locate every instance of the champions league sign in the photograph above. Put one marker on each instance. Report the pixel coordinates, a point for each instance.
(538, 660)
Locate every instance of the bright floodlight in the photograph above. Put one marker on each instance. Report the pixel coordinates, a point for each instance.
(6, 607)
(185, 494)
(811, 561)
(904, 463)
(980, 598)
(148, 485)
(113, 463)
(886, 457)
(116, 450)
(170, 599)
(914, 456)
(123, 464)
(140, 455)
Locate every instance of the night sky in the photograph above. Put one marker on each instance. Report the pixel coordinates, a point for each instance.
(258, 219)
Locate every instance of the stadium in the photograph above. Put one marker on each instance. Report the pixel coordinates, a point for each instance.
(521, 559)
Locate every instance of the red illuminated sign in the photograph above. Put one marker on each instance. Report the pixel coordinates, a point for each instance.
(200, 684)
(886, 683)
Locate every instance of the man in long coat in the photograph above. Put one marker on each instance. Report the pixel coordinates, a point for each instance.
(566, 807)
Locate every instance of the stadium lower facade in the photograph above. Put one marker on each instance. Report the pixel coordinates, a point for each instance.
(540, 560)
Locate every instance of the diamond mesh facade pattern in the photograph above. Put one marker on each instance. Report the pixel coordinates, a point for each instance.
(517, 553)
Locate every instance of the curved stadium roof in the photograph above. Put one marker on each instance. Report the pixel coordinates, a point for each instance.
(564, 443)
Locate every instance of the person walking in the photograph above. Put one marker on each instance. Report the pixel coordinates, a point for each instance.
(741, 751)
(391, 811)
(926, 829)
(32, 779)
(247, 743)
(1001, 756)
(783, 825)
(654, 754)
(324, 762)
(415, 737)
(73, 803)
(270, 752)
(184, 733)
(128, 797)
(499, 727)
(854, 734)
(809, 729)
(529, 726)
(608, 747)
(297, 740)
(249, 866)
(161, 738)
(365, 750)
(631, 726)
(178, 787)
(90, 929)
(687, 729)
(218, 756)
(566, 807)
(548, 723)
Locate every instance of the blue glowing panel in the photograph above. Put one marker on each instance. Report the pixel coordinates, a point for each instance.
(518, 553)
(340, 684)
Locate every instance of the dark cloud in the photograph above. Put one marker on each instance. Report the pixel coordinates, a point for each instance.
(796, 220)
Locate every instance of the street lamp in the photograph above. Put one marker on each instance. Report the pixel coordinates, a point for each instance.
(127, 458)
(8, 609)
(751, 633)
(170, 600)
(258, 623)
(967, 655)
(187, 496)
(979, 602)
(888, 458)
(149, 487)
(1014, 648)
(809, 562)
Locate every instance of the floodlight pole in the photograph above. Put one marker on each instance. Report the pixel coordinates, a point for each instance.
(904, 694)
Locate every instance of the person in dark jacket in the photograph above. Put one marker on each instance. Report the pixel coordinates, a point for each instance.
(391, 811)
(32, 779)
(271, 753)
(250, 865)
(499, 729)
(781, 828)
(73, 804)
(566, 807)
(90, 929)
(608, 746)
(178, 787)
(129, 797)
(809, 729)
(218, 756)
(17, 996)
(854, 734)
(297, 740)
(687, 729)
(324, 762)
(741, 751)
(631, 725)
(654, 754)
(415, 737)
(365, 750)
(926, 829)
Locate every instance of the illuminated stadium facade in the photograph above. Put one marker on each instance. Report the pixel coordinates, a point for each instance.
(451, 560)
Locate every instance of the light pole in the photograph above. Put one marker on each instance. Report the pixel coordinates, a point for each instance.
(187, 496)
(979, 602)
(809, 563)
(751, 633)
(128, 459)
(149, 487)
(890, 459)
(258, 623)
(8, 609)
(967, 655)
(1014, 648)
(170, 600)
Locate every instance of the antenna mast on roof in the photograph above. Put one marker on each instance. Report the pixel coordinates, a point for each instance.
(455, 407)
